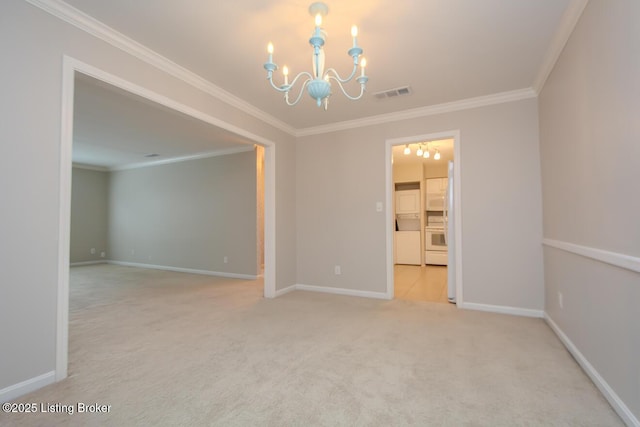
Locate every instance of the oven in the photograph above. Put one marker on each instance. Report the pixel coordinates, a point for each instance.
(435, 239)
(435, 246)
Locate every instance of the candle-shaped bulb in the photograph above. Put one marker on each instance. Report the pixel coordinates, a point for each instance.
(363, 64)
(270, 50)
(318, 20)
(285, 71)
(354, 34)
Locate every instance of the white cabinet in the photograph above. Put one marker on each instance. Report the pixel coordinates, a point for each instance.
(436, 185)
(408, 202)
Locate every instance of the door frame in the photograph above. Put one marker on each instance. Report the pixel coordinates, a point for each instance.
(457, 204)
(70, 67)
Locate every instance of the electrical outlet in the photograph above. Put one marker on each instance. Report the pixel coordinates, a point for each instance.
(93, 251)
(226, 259)
(103, 254)
(336, 270)
(560, 300)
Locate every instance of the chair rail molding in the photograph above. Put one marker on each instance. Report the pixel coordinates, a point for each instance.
(619, 260)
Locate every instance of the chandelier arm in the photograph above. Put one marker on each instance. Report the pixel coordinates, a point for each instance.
(283, 88)
(337, 77)
(286, 98)
(353, 98)
(287, 87)
(303, 73)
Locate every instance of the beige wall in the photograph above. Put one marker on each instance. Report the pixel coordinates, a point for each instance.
(30, 166)
(327, 187)
(188, 214)
(341, 176)
(589, 133)
(89, 215)
(439, 170)
(407, 172)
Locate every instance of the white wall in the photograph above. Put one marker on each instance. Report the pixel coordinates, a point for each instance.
(34, 43)
(589, 133)
(341, 177)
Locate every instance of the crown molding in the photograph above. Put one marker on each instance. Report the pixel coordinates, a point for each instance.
(90, 167)
(198, 156)
(561, 37)
(90, 25)
(448, 107)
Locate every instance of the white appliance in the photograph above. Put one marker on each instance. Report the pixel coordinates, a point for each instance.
(407, 249)
(435, 194)
(435, 246)
(408, 222)
(408, 202)
(436, 250)
(407, 236)
(435, 202)
(435, 220)
(449, 218)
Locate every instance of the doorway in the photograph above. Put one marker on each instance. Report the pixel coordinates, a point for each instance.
(72, 68)
(423, 218)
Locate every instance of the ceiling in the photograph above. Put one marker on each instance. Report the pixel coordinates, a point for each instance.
(113, 129)
(445, 51)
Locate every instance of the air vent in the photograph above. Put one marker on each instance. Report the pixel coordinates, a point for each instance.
(151, 155)
(392, 93)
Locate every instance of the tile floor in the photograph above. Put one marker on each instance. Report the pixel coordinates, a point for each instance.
(421, 283)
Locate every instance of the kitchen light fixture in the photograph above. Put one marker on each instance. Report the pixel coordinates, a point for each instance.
(419, 153)
(437, 155)
(407, 150)
(318, 83)
(426, 152)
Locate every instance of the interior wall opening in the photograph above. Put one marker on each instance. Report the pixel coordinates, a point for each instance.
(421, 234)
(420, 179)
(232, 143)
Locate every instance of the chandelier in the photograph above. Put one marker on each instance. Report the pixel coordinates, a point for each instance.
(318, 83)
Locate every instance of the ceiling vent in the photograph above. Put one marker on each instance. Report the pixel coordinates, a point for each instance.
(393, 93)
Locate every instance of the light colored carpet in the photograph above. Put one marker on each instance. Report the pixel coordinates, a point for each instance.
(173, 349)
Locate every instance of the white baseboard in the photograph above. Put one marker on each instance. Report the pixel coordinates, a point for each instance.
(185, 270)
(286, 290)
(24, 387)
(502, 309)
(614, 400)
(343, 291)
(78, 264)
